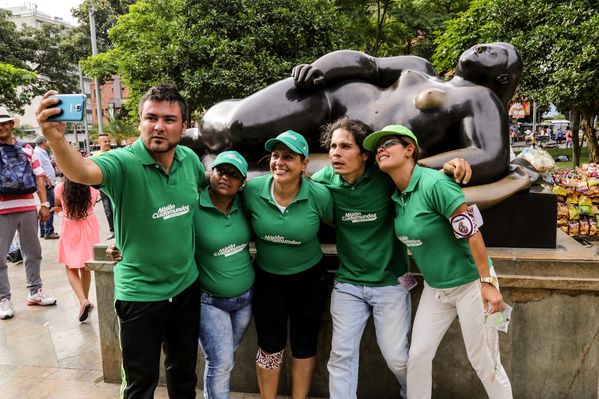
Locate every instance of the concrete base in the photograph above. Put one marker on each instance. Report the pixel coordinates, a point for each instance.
(550, 351)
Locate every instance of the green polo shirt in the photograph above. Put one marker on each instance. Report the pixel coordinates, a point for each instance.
(287, 242)
(422, 223)
(369, 254)
(222, 248)
(153, 220)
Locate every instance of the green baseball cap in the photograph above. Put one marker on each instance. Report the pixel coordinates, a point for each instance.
(232, 158)
(292, 140)
(391, 130)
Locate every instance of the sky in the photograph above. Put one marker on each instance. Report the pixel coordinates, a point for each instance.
(54, 8)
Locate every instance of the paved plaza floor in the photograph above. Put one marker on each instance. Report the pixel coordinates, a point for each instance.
(44, 351)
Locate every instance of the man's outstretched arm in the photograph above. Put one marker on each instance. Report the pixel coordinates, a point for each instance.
(69, 160)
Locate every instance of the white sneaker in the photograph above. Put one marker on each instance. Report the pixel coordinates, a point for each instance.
(40, 298)
(6, 311)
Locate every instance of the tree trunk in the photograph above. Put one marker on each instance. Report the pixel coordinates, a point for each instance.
(585, 125)
(575, 115)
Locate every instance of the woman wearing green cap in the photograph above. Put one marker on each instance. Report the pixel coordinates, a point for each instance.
(435, 223)
(370, 257)
(286, 211)
(226, 274)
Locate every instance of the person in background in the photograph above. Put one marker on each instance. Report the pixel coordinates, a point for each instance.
(80, 231)
(286, 210)
(569, 138)
(18, 213)
(14, 251)
(105, 145)
(513, 135)
(559, 135)
(42, 151)
(435, 223)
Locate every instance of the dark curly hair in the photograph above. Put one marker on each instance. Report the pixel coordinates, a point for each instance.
(77, 199)
(356, 127)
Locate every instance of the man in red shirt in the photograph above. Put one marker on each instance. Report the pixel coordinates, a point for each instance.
(19, 213)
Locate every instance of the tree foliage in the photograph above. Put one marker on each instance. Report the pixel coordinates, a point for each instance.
(15, 87)
(33, 61)
(48, 52)
(398, 27)
(559, 42)
(215, 50)
(106, 14)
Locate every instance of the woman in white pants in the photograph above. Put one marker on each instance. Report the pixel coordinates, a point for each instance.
(434, 221)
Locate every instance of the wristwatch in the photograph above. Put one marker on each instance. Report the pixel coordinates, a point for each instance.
(45, 204)
(490, 280)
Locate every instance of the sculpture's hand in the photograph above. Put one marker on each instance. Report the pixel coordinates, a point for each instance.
(54, 131)
(460, 169)
(307, 76)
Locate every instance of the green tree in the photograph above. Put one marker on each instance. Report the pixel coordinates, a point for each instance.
(214, 50)
(559, 42)
(397, 27)
(106, 14)
(11, 51)
(34, 60)
(119, 128)
(15, 87)
(48, 52)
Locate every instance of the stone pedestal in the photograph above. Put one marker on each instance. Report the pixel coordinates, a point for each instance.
(550, 351)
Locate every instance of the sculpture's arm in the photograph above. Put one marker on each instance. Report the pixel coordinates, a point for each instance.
(483, 136)
(349, 64)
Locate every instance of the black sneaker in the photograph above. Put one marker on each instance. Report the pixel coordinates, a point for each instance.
(15, 257)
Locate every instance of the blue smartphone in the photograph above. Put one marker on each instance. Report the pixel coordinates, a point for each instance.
(72, 107)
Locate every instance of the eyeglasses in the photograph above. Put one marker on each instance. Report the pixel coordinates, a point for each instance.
(389, 143)
(230, 174)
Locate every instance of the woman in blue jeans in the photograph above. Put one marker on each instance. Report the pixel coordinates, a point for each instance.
(226, 273)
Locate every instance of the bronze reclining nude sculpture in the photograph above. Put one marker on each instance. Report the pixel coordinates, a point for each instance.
(464, 117)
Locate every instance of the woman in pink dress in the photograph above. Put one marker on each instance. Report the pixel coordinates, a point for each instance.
(79, 232)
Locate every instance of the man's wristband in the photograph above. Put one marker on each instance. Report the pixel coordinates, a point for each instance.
(45, 204)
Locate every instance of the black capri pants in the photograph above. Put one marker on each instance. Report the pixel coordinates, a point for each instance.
(297, 299)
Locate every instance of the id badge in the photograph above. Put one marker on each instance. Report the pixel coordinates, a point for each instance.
(408, 281)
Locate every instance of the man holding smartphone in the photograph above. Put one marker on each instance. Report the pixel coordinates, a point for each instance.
(153, 185)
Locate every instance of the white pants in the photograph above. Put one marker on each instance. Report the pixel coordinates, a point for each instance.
(437, 309)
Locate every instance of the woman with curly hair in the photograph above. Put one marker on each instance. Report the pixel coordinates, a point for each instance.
(79, 232)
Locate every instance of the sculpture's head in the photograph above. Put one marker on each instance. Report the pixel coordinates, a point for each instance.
(497, 66)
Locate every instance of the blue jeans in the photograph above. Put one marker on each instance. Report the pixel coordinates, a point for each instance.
(47, 227)
(351, 306)
(223, 323)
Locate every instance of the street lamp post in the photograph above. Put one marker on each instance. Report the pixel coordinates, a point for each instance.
(92, 31)
(84, 111)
